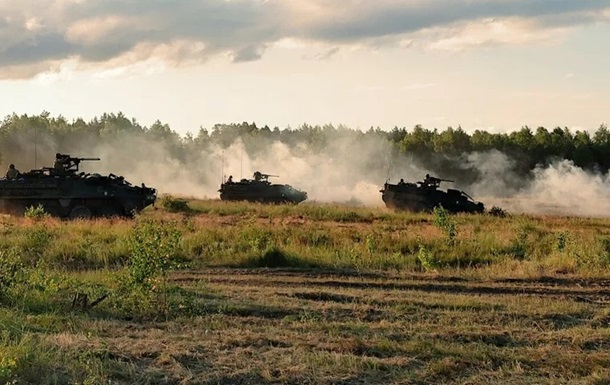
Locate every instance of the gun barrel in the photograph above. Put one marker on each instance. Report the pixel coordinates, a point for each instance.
(447, 180)
(86, 158)
(269, 175)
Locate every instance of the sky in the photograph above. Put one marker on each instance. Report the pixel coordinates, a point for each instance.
(482, 64)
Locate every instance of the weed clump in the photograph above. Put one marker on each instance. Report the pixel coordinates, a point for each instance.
(518, 247)
(427, 259)
(11, 271)
(444, 222)
(154, 248)
(499, 212)
(36, 213)
(175, 205)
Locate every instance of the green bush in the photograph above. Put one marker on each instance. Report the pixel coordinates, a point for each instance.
(175, 205)
(154, 246)
(427, 259)
(11, 269)
(36, 213)
(443, 221)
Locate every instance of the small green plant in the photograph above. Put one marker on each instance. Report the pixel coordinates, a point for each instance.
(175, 205)
(498, 212)
(11, 269)
(8, 365)
(154, 249)
(562, 239)
(36, 213)
(443, 221)
(518, 246)
(36, 240)
(371, 245)
(427, 260)
(259, 242)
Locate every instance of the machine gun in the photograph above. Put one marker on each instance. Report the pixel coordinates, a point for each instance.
(433, 182)
(69, 163)
(260, 177)
(445, 180)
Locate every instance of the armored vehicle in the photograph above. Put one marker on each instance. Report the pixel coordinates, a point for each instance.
(64, 192)
(426, 195)
(259, 189)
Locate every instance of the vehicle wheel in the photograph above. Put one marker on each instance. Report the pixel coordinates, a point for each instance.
(80, 212)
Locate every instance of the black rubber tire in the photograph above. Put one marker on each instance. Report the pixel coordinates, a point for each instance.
(80, 212)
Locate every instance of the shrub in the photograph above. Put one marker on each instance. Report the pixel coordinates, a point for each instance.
(154, 249)
(175, 205)
(36, 213)
(443, 221)
(154, 246)
(498, 212)
(427, 260)
(11, 268)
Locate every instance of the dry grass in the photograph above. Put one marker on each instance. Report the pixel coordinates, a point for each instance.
(299, 326)
(513, 300)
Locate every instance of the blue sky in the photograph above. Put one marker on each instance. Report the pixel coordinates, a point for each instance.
(481, 64)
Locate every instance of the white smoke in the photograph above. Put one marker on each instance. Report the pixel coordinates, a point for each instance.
(565, 189)
(345, 168)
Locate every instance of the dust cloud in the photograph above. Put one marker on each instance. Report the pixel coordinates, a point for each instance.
(347, 169)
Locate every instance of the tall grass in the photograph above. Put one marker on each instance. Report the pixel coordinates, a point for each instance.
(45, 262)
(237, 234)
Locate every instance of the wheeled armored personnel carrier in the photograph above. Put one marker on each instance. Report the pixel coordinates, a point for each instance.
(259, 189)
(426, 195)
(65, 192)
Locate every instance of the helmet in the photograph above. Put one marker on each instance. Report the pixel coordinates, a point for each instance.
(11, 166)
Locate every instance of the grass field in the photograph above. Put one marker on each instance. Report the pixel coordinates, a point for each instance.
(236, 293)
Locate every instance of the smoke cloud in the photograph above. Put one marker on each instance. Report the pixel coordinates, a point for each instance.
(344, 169)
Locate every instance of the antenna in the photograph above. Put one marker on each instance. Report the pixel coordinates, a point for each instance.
(389, 166)
(222, 174)
(35, 146)
(241, 163)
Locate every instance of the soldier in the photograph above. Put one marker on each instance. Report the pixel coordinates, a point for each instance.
(60, 162)
(427, 180)
(402, 182)
(230, 180)
(258, 176)
(12, 172)
(431, 181)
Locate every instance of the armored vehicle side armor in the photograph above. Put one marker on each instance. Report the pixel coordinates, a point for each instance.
(425, 196)
(64, 192)
(259, 189)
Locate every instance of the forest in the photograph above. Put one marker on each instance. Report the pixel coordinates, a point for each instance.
(372, 155)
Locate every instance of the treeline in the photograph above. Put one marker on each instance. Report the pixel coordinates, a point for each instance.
(437, 149)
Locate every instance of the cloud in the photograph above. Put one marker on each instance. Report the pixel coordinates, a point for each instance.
(250, 53)
(489, 32)
(37, 35)
(325, 55)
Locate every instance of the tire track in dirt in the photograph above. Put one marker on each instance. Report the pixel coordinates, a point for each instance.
(576, 289)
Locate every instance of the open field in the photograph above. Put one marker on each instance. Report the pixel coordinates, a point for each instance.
(305, 294)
